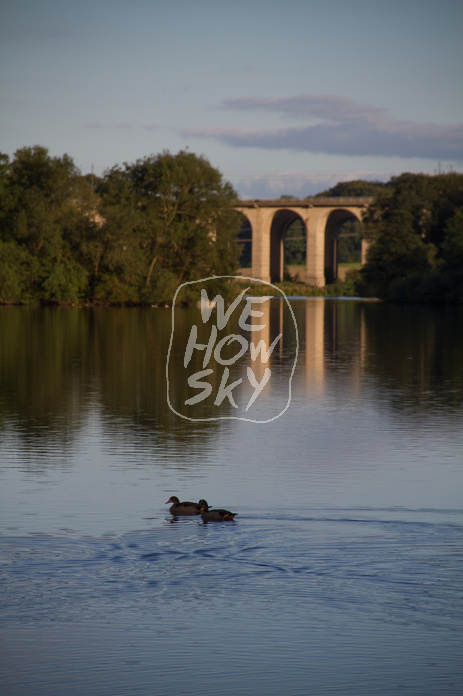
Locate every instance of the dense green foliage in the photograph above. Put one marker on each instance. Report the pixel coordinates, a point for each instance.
(245, 243)
(135, 234)
(353, 189)
(415, 227)
(295, 244)
(131, 237)
(415, 230)
(349, 242)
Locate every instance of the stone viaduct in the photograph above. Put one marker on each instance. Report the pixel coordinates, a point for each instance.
(322, 217)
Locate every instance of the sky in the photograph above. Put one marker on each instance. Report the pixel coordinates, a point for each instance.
(284, 97)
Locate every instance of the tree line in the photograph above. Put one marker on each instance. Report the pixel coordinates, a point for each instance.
(142, 229)
(415, 232)
(131, 236)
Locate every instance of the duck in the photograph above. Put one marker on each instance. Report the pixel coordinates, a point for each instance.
(185, 508)
(215, 515)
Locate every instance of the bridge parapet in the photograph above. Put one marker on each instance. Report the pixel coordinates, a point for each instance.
(312, 202)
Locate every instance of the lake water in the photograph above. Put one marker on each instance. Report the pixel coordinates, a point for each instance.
(342, 573)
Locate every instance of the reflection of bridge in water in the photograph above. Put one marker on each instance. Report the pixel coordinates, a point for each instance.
(329, 333)
(322, 219)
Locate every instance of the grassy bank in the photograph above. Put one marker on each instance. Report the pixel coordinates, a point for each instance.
(341, 288)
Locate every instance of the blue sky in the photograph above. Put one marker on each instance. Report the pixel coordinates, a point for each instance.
(285, 97)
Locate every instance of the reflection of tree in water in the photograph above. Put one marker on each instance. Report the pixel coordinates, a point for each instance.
(412, 352)
(43, 361)
(132, 381)
(60, 366)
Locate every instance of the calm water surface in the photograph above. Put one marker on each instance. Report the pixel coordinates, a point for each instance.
(342, 573)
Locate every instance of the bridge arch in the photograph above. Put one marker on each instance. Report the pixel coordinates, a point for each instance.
(282, 221)
(334, 223)
(245, 242)
(321, 217)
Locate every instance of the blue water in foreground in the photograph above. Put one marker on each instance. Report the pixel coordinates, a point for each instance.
(342, 573)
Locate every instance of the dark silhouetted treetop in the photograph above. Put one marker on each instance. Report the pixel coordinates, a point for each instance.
(353, 189)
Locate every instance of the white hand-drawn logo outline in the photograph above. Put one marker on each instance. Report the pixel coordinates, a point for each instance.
(232, 417)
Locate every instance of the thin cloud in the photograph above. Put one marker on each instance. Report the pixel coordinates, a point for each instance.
(328, 107)
(299, 184)
(343, 128)
(123, 126)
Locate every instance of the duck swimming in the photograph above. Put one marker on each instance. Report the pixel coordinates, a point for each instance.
(186, 508)
(215, 515)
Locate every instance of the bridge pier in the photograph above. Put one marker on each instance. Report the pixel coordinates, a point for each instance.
(315, 224)
(261, 223)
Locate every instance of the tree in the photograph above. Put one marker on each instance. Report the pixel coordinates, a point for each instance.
(353, 189)
(452, 254)
(38, 207)
(452, 246)
(396, 253)
(448, 197)
(14, 272)
(413, 227)
(295, 244)
(182, 224)
(349, 242)
(4, 170)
